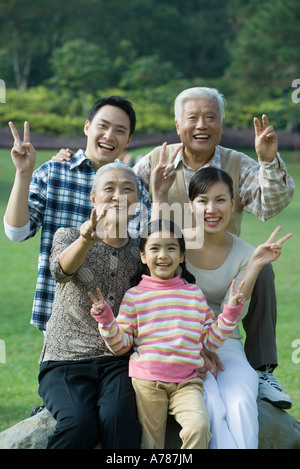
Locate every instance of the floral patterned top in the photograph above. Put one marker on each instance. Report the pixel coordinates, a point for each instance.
(72, 333)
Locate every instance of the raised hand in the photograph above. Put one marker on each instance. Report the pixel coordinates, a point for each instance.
(164, 173)
(236, 296)
(98, 303)
(270, 250)
(23, 154)
(266, 144)
(90, 230)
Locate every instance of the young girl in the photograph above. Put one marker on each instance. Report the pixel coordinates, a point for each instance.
(167, 322)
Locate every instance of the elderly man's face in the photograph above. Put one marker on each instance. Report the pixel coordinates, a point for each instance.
(200, 129)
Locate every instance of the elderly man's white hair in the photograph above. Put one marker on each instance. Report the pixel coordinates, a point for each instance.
(117, 164)
(196, 93)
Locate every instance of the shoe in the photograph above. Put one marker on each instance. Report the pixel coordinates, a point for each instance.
(36, 409)
(271, 390)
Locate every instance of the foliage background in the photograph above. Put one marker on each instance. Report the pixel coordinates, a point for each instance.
(57, 58)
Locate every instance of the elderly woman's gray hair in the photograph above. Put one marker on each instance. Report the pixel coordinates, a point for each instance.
(196, 93)
(115, 165)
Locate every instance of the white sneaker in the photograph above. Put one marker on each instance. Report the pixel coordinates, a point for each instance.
(272, 391)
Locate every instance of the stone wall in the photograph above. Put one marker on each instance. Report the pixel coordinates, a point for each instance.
(277, 430)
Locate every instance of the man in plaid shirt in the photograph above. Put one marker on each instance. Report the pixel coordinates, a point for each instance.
(58, 193)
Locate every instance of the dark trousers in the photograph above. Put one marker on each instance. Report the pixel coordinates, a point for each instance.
(93, 401)
(260, 321)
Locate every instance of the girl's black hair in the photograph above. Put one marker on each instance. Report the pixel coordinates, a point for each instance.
(205, 178)
(158, 226)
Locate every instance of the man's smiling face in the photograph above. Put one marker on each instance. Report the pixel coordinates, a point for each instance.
(200, 129)
(107, 135)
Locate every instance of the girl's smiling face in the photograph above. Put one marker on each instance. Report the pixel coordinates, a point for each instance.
(162, 255)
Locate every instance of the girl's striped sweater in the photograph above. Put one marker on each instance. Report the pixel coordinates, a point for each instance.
(167, 322)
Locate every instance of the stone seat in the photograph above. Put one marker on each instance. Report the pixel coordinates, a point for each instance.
(277, 430)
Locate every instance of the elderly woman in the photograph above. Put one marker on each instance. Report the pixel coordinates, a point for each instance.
(83, 385)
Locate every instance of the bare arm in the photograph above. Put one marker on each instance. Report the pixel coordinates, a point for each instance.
(24, 156)
(73, 256)
(263, 254)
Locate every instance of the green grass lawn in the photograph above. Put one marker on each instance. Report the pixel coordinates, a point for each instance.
(23, 342)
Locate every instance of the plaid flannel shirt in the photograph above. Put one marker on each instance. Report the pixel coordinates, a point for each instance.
(59, 196)
(265, 188)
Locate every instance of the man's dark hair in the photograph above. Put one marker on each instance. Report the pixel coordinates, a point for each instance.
(116, 101)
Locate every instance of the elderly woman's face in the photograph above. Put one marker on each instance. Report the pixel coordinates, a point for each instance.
(117, 189)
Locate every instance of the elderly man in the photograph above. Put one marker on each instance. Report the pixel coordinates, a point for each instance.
(262, 188)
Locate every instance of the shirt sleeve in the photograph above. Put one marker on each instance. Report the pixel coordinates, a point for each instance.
(119, 333)
(37, 199)
(62, 239)
(218, 331)
(16, 234)
(265, 188)
(143, 169)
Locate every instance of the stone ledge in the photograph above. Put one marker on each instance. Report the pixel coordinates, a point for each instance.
(277, 430)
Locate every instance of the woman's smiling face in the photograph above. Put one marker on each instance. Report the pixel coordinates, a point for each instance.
(215, 207)
(117, 190)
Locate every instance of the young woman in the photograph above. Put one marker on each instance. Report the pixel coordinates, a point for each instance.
(80, 379)
(167, 322)
(219, 258)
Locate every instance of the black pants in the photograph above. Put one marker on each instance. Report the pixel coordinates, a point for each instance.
(260, 321)
(93, 401)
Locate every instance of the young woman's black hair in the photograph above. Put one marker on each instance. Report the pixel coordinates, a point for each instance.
(205, 178)
(116, 101)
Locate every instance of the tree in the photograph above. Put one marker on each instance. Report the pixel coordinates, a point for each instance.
(28, 29)
(149, 72)
(265, 53)
(81, 68)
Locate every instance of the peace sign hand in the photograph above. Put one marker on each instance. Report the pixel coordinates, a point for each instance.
(89, 229)
(164, 173)
(236, 295)
(98, 304)
(266, 144)
(23, 153)
(270, 250)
